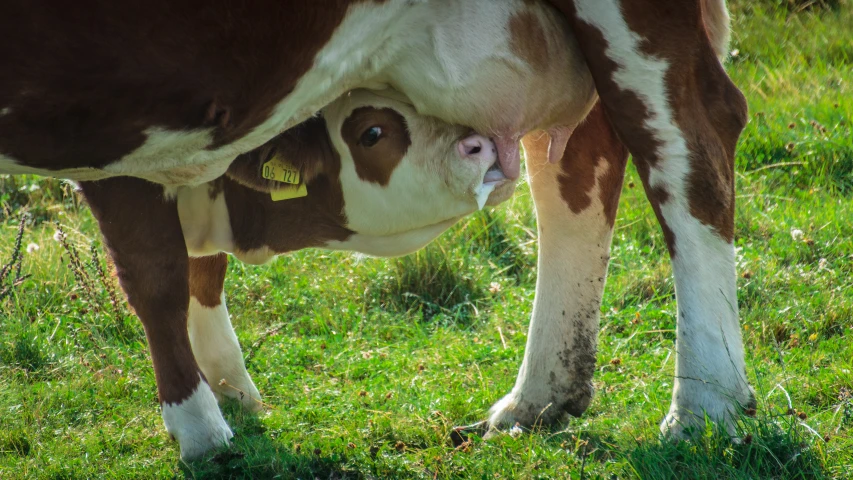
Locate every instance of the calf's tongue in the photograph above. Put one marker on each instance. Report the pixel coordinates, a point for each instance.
(509, 156)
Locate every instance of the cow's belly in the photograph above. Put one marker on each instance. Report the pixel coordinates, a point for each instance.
(189, 175)
(10, 167)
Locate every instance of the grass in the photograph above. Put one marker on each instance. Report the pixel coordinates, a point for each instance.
(369, 363)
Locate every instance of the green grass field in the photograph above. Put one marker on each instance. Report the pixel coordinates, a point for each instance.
(367, 364)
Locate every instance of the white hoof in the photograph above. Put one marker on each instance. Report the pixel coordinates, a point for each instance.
(516, 409)
(687, 418)
(196, 423)
(685, 425)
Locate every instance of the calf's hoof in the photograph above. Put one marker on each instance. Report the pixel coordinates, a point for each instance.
(196, 423)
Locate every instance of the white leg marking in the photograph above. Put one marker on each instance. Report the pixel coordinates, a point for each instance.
(205, 222)
(196, 423)
(710, 367)
(559, 359)
(218, 354)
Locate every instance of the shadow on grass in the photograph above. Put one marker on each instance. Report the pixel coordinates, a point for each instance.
(254, 454)
(764, 448)
(435, 282)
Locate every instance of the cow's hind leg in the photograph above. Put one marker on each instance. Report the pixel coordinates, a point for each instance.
(656, 69)
(575, 208)
(214, 343)
(144, 237)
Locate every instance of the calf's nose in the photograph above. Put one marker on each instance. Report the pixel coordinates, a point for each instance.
(478, 148)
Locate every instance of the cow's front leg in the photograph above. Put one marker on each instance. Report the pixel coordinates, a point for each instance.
(656, 69)
(143, 234)
(576, 203)
(214, 343)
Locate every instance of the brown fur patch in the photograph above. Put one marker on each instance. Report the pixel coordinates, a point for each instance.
(143, 234)
(527, 40)
(207, 278)
(80, 97)
(711, 191)
(591, 143)
(376, 163)
(289, 225)
(708, 108)
(306, 146)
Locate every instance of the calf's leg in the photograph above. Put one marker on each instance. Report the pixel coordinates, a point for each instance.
(576, 202)
(674, 107)
(144, 237)
(212, 337)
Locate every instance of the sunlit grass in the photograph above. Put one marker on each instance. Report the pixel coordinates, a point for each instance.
(370, 363)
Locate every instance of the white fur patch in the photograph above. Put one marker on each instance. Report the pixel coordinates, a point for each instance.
(218, 353)
(400, 206)
(431, 169)
(710, 364)
(8, 165)
(392, 245)
(196, 423)
(173, 158)
(205, 222)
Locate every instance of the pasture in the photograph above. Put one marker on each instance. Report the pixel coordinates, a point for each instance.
(366, 365)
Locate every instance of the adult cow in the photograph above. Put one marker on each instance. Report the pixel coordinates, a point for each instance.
(171, 92)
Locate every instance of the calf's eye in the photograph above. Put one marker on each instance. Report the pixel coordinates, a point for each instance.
(370, 136)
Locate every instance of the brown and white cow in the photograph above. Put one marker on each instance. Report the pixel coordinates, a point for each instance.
(172, 91)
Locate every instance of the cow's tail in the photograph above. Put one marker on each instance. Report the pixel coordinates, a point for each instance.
(715, 15)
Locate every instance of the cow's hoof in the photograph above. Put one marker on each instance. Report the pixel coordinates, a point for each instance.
(515, 411)
(677, 426)
(688, 421)
(201, 436)
(196, 423)
(196, 442)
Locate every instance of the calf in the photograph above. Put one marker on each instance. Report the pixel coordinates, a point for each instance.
(356, 178)
(232, 215)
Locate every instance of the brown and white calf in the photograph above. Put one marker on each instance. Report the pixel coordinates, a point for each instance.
(365, 178)
(172, 91)
(230, 214)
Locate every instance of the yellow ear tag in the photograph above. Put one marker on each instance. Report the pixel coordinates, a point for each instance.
(279, 170)
(287, 193)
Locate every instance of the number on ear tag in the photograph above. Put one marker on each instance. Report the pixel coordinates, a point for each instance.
(280, 170)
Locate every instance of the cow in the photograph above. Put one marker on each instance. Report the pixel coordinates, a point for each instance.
(162, 96)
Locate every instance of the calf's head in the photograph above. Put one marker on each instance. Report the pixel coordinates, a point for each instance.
(381, 179)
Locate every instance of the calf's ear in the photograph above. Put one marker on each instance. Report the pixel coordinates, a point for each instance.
(305, 148)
